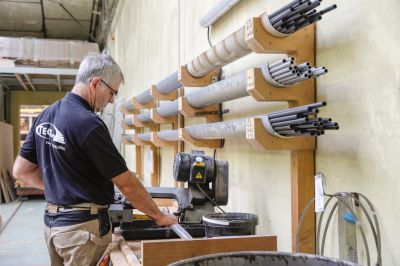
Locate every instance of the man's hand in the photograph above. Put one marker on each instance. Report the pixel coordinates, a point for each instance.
(166, 220)
(131, 187)
(28, 173)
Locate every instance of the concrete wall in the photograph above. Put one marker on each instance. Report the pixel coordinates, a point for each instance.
(357, 43)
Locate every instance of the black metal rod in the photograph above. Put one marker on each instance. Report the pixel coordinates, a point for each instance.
(290, 122)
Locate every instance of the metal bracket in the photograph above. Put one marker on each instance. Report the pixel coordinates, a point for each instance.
(211, 112)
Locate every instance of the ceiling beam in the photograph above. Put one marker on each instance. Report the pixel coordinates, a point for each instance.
(76, 20)
(2, 82)
(43, 19)
(29, 82)
(59, 82)
(39, 70)
(34, 31)
(19, 78)
(19, 2)
(65, 19)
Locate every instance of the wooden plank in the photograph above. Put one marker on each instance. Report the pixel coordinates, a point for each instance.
(118, 258)
(4, 189)
(127, 251)
(29, 82)
(1, 197)
(164, 252)
(302, 191)
(19, 78)
(138, 152)
(9, 184)
(155, 176)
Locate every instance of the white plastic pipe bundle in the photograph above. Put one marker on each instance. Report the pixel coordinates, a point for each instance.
(222, 91)
(229, 89)
(220, 130)
(300, 121)
(227, 51)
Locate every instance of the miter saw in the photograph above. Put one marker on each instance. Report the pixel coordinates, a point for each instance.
(207, 186)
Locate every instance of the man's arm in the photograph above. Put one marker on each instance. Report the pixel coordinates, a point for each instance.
(132, 188)
(28, 173)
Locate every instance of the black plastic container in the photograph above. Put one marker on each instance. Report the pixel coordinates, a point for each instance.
(230, 224)
(253, 258)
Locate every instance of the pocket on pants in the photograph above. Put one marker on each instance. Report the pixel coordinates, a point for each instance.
(71, 239)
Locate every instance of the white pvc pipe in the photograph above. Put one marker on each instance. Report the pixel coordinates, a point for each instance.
(216, 12)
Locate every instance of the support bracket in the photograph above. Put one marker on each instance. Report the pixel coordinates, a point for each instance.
(204, 143)
(188, 80)
(257, 136)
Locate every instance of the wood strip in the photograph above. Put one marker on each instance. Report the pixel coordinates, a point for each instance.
(302, 191)
(9, 184)
(164, 252)
(118, 258)
(4, 189)
(19, 78)
(127, 251)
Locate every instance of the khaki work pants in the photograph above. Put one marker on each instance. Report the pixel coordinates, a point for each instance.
(78, 244)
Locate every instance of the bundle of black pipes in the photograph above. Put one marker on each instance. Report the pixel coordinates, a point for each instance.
(286, 72)
(297, 15)
(301, 120)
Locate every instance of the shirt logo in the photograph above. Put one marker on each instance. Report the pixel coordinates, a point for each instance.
(49, 131)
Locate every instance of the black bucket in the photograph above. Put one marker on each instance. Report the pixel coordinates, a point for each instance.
(269, 258)
(230, 224)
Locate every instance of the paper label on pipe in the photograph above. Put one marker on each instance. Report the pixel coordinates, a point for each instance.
(319, 193)
(250, 134)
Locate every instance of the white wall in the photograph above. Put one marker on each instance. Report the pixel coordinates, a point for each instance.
(357, 43)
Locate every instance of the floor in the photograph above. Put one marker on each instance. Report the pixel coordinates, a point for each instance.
(22, 241)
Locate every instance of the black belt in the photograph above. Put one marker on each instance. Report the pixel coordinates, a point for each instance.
(92, 207)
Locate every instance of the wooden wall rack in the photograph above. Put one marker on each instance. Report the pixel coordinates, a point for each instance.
(301, 45)
(302, 149)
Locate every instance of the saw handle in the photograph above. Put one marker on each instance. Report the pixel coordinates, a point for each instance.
(180, 231)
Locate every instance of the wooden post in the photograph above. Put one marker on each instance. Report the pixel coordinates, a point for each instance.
(155, 176)
(301, 45)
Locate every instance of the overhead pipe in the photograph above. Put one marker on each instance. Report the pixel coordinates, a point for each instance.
(217, 12)
(280, 23)
(235, 87)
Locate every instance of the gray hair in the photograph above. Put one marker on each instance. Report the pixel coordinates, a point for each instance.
(101, 65)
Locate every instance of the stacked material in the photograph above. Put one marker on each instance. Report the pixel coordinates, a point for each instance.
(285, 72)
(297, 15)
(296, 122)
(43, 52)
(301, 120)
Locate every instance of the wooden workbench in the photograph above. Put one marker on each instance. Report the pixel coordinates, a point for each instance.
(164, 252)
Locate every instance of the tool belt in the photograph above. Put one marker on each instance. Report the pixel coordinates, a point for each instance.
(92, 207)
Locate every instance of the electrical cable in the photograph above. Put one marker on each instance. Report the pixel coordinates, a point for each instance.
(300, 223)
(328, 221)
(359, 225)
(320, 224)
(337, 196)
(376, 225)
(209, 36)
(209, 198)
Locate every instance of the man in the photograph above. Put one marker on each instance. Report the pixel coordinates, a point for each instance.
(70, 155)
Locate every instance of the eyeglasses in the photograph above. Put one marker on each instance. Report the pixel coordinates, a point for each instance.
(114, 92)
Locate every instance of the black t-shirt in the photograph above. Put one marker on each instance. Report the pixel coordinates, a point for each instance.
(75, 153)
